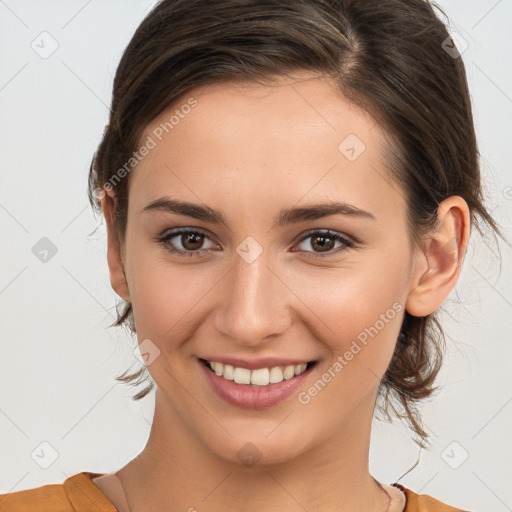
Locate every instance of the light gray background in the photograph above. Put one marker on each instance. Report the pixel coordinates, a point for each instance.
(58, 356)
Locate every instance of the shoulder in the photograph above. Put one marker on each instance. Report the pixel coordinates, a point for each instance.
(424, 503)
(76, 494)
(46, 498)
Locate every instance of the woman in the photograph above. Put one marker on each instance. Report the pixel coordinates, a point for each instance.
(289, 188)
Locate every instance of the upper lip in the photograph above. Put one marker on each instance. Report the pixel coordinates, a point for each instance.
(254, 364)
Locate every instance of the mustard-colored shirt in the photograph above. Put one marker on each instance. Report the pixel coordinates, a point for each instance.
(79, 493)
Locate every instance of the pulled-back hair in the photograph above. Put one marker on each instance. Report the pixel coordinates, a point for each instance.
(393, 58)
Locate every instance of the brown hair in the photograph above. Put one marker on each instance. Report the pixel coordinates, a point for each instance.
(389, 57)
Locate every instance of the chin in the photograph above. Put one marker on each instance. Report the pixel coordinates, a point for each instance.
(257, 451)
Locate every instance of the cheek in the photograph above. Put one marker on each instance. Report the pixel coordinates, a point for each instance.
(338, 305)
(166, 299)
(346, 302)
(360, 341)
(372, 312)
(358, 313)
(364, 341)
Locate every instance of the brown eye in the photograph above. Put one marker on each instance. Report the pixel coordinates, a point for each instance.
(324, 243)
(192, 241)
(186, 242)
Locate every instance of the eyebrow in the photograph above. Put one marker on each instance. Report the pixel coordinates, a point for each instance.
(286, 216)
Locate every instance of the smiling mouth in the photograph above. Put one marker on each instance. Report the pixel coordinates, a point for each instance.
(257, 377)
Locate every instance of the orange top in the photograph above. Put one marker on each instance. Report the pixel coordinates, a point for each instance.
(79, 493)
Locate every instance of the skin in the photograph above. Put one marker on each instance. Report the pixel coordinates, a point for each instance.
(250, 151)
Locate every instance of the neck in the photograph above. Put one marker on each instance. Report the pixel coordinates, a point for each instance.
(176, 467)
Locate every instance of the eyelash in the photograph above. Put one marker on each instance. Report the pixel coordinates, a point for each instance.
(347, 243)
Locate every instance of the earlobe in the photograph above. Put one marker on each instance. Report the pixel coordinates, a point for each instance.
(438, 266)
(114, 258)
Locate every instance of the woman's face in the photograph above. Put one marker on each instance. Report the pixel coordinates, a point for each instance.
(268, 171)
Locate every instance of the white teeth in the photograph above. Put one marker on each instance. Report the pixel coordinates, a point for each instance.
(229, 372)
(218, 367)
(259, 377)
(289, 372)
(242, 376)
(276, 375)
(300, 368)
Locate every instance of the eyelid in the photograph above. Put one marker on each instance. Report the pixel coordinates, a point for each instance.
(330, 232)
(169, 234)
(348, 242)
(172, 232)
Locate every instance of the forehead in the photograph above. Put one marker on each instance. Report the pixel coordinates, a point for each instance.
(284, 111)
(265, 144)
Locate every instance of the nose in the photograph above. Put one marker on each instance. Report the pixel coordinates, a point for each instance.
(255, 304)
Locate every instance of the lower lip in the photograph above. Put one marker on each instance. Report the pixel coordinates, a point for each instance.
(250, 396)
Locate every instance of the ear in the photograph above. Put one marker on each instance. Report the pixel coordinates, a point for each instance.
(438, 264)
(114, 253)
